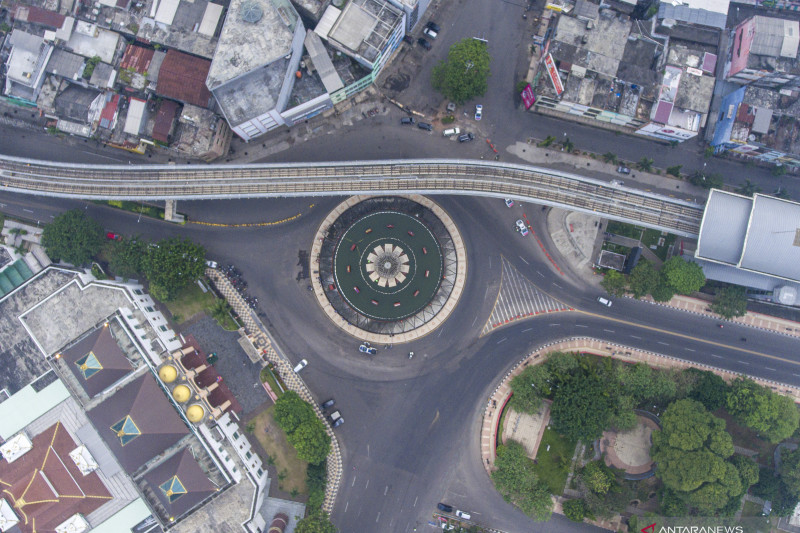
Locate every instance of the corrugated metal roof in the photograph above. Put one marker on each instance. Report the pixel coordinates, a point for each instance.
(724, 227)
(166, 11)
(65, 64)
(773, 239)
(135, 117)
(208, 26)
(762, 119)
(322, 62)
(705, 14)
(164, 119)
(183, 77)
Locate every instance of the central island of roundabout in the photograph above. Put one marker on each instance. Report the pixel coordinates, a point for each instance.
(390, 268)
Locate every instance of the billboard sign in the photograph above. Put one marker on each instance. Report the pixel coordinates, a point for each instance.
(552, 71)
(528, 98)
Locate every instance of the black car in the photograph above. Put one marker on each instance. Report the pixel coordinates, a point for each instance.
(443, 507)
(327, 403)
(435, 27)
(425, 126)
(409, 39)
(464, 137)
(424, 43)
(407, 120)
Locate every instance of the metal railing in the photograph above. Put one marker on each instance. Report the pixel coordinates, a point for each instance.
(425, 176)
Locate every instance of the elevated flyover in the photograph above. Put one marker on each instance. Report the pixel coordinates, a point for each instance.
(423, 176)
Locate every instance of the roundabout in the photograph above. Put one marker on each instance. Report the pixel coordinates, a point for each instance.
(390, 269)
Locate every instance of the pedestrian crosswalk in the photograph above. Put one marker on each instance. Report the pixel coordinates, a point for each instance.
(519, 298)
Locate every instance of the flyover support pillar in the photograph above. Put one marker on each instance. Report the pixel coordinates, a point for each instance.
(169, 212)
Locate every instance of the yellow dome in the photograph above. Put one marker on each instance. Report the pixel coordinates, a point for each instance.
(167, 373)
(195, 413)
(181, 393)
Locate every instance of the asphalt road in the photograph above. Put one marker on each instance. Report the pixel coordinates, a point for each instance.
(411, 435)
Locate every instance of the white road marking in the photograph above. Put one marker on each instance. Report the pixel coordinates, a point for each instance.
(768, 368)
(609, 330)
(580, 326)
(551, 325)
(354, 481)
(502, 340)
(528, 329)
(346, 505)
(540, 273)
(557, 285)
(635, 337)
(688, 349)
(473, 322)
(415, 501)
(523, 260)
(386, 490)
(663, 343)
(367, 485)
(27, 210)
(378, 517)
(717, 356)
(745, 363)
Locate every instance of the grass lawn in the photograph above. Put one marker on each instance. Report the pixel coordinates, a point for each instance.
(552, 466)
(751, 509)
(651, 236)
(266, 376)
(746, 438)
(616, 248)
(190, 301)
(626, 230)
(275, 444)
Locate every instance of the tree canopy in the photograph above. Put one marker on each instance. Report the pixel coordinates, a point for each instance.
(517, 482)
(773, 416)
(730, 302)
(72, 237)
(465, 72)
(643, 279)
(317, 522)
(614, 283)
(127, 257)
(529, 387)
(303, 429)
(691, 451)
(582, 406)
(684, 277)
(172, 264)
(708, 389)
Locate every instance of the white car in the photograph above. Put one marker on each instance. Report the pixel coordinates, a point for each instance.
(509, 202)
(604, 301)
(300, 366)
(462, 514)
(211, 264)
(478, 111)
(522, 228)
(430, 33)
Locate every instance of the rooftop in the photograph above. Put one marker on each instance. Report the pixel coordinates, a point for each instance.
(38, 15)
(21, 362)
(97, 360)
(724, 227)
(364, 27)
(252, 94)
(179, 484)
(89, 41)
(713, 13)
(600, 49)
(138, 422)
(164, 120)
(182, 77)
(65, 64)
(195, 131)
(74, 103)
(256, 33)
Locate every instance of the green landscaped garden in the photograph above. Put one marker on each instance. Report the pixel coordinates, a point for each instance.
(552, 466)
(191, 300)
(626, 230)
(365, 250)
(291, 469)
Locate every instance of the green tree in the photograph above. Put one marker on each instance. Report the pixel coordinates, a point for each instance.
(614, 283)
(72, 237)
(575, 510)
(675, 170)
(773, 416)
(685, 277)
(645, 164)
(610, 157)
(582, 407)
(624, 418)
(465, 73)
(707, 181)
(311, 441)
(318, 522)
(708, 389)
(220, 310)
(172, 265)
(691, 451)
(517, 482)
(789, 470)
(316, 479)
(748, 470)
(643, 279)
(127, 257)
(547, 141)
(730, 302)
(568, 145)
(528, 388)
(291, 411)
(597, 477)
(748, 188)
(663, 292)
(644, 384)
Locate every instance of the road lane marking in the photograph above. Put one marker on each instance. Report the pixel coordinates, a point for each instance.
(386, 490)
(354, 481)
(524, 330)
(689, 349)
(768, 368)
(609, 330)
(540, 273)
(523, 260)
(635, 337)
(377, 519)
(744, 362)
(557, 285)
(27, 210)
(551, 325)
(504, 339)
(717, 356)
(473, 322)
(664, 343)
(580, 326)
(346, 505)
(367, 485)
(415, 501)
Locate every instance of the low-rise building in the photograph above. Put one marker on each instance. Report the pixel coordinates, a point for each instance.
(25, 66)
(182, 77)
(764, 53)
(201, 133)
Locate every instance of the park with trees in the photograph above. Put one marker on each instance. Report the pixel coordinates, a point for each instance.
(465, 73)
(716, 441)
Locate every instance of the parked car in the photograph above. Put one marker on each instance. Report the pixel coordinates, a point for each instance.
(336, 419)
(430, 33)
(509, 202)
(451, 132)
(301, 365)
(451, 107)
(327, 403)
(604, 301)
(462, 514)
(424, 43)
(622, 169)
(432, 25)
(478, 112)
(211, 264)
(425, 126)
(443, 507)
(464, 137)
(409, 39)
(407, 120)
(522, 228)
(113, 236)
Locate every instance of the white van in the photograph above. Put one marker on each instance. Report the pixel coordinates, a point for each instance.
(604, 301)
(430, 33)
(451, 132)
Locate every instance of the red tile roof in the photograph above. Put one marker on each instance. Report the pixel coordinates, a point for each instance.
(164, 119)
(137, 58)
(37, 15)
(109, 112)
(45, 487)
(183, 77)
